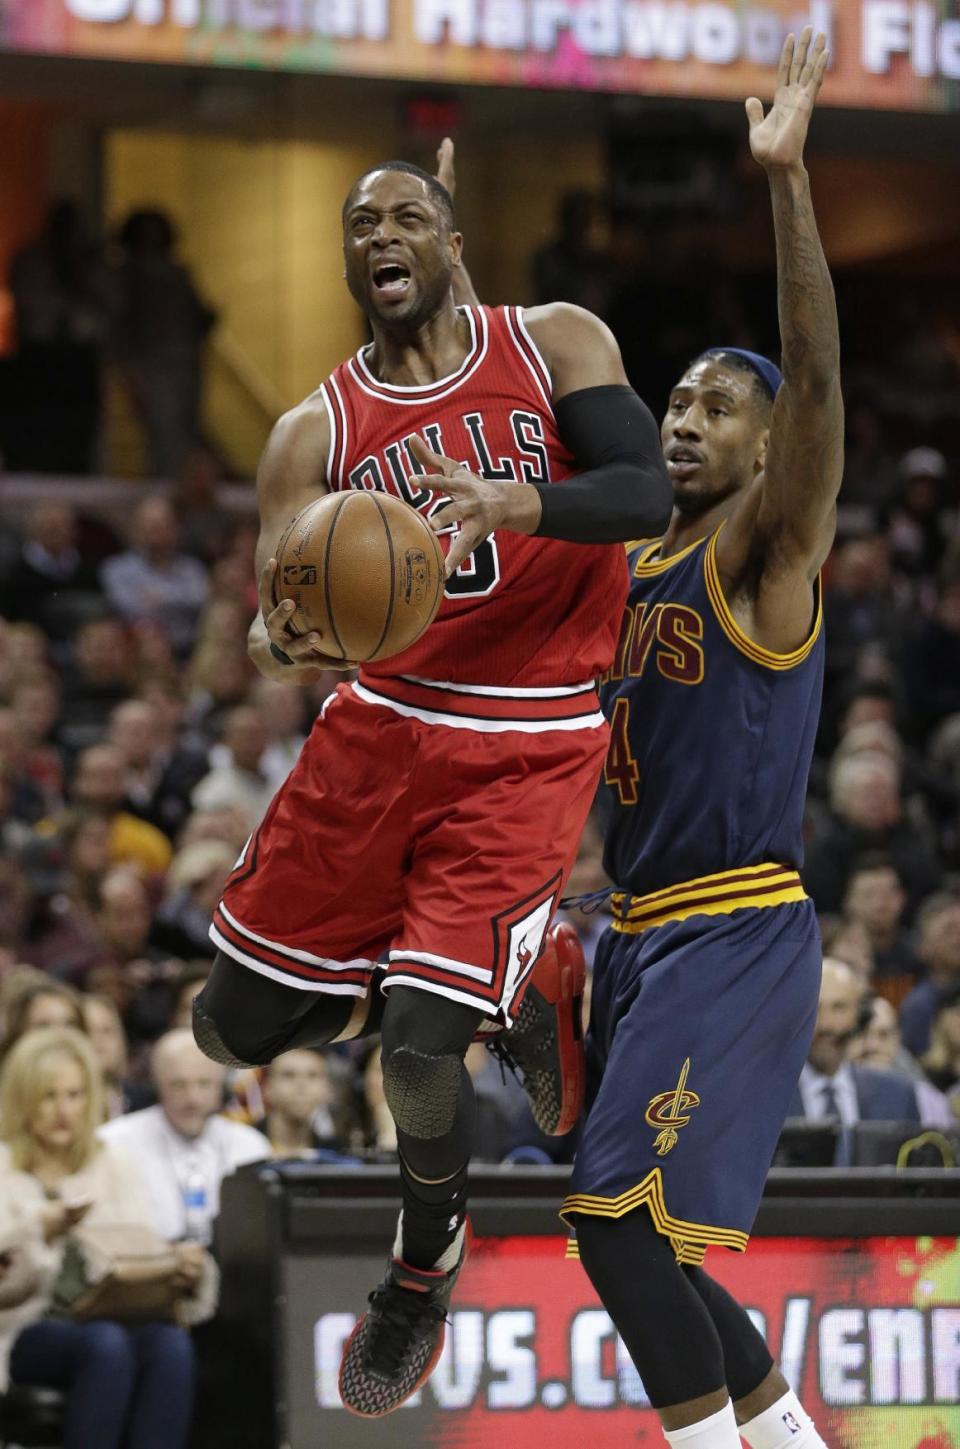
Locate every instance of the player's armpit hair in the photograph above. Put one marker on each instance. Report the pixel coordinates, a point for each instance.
(622, 491)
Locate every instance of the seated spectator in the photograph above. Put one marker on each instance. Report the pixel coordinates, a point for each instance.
(35, 706)
(298, 1094)
(33, 1001)
(99, 677)
(868, 816)
(98, 785)
(376, 1131)
(860, 605)
(159, 774)
(236, 778)
(24, 799)
(219, 677)
(194, 883)
(876, 900)
(830, 1087)
(64, 938)
(941, 1061)
(153, 582)
(931, 665)
(878, 1045)
(227, 823)
(917, 522)
(124, 1383)
(133, 973)
(938, 929)
(109, 1041)
(847, 941)
(203, 523)
(186, 1149)
(281, 708)
(49, 570)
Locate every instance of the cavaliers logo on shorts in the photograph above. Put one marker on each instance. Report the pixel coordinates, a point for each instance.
(670, 1111)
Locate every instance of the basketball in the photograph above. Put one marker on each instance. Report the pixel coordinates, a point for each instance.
(365, 571)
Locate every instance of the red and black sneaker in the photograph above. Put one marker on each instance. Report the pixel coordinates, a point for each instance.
(546, 1040)
(395, 1346)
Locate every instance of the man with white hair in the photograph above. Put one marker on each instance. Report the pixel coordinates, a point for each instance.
(184, 1147)
(831, 1088)
(868, 815)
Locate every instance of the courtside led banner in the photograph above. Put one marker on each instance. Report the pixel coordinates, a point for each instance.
(866, 1330)
(887, 54)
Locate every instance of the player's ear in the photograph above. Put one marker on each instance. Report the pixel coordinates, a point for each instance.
(760, 462)
(456, 247)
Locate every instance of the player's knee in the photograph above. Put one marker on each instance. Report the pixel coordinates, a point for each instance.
(422, 1090)
(225, 1039)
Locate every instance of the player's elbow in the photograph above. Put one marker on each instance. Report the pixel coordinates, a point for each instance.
(650, 501)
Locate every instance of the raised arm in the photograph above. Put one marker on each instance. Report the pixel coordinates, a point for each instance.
(464, 292)
(292, 473)
(804, 464)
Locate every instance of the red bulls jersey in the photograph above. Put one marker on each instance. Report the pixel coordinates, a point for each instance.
(520, 612)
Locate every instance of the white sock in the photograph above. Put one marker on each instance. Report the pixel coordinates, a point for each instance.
(718, 1432)
(785, 1425)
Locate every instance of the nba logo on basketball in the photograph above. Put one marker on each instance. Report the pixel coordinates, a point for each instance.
(789, 1422)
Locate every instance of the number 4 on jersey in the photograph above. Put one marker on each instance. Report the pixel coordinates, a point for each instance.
(620, 769)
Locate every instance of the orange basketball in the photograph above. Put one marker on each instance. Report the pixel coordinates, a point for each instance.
(365, 572)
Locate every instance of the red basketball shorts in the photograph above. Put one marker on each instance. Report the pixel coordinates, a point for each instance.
(422, 826)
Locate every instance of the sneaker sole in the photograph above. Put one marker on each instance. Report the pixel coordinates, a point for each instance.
(382, 1413)
(560, 977)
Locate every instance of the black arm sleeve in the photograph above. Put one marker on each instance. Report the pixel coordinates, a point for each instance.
(623, 491)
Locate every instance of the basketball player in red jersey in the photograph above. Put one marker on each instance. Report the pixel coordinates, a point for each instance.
(435, 811)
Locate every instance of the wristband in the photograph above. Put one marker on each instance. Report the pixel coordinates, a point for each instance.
(280, 654)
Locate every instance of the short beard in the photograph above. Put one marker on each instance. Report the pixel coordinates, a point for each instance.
(693, 505)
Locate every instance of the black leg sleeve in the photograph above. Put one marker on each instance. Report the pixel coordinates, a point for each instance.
(661, 1318)
(429, 1091)
(746, 1358)
(255, 1018)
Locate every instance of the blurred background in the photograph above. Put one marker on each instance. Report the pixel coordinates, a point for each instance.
(170, 282)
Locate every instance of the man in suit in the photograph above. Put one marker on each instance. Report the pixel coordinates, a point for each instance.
(833, 1088)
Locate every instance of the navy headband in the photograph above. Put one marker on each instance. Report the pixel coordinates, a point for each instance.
(767, 371)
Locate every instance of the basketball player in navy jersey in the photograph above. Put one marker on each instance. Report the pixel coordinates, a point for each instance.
(705, 988)
(405, 875)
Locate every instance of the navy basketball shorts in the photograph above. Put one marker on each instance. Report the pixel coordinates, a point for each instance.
(699, 1029)
(434, 829)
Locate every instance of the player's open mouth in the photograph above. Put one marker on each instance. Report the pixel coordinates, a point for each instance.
(683, 463)
(391, 279)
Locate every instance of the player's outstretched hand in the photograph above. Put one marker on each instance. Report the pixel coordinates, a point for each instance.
(777, 139)
(304, 649)
(476, 504)
(446, 174)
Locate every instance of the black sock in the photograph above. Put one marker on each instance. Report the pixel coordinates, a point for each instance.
(433, 1213)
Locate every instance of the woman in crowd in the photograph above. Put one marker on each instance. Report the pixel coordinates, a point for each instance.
(127, 1384)
(34, 1000)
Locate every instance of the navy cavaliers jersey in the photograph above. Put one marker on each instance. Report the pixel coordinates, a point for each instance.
(711, 735)
(520, 611)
